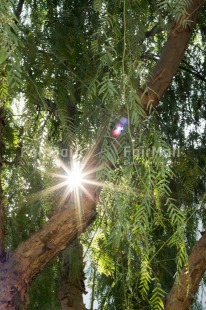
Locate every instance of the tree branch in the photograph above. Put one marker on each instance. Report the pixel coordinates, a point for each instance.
(171, 57)
(32, 255)
(188, 68)
(196, 74)
(61, 230)
(152, 32)
(183, 291)
(2, 232)
(19, 8)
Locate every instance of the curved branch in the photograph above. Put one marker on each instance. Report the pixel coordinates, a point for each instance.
(62, 229)
(2, 230)
(170, 58)
(183, 292)
(152, 32)
(32, 255)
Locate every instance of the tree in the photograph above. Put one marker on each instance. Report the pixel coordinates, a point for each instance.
(80, 61)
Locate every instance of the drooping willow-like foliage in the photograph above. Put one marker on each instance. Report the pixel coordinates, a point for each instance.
(82, 64)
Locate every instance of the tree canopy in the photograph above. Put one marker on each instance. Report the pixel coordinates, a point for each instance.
(116, 87)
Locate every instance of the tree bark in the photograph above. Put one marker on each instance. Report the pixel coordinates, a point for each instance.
(32, 255)
(1, 222)
(171, 57)
(183, 291)
(72, 286)
(63, 228)
(1, 190)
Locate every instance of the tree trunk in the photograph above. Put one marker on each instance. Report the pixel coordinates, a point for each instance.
(32, 255)
(72, 286)
(183, 291)
(171, 57)
(1, 191)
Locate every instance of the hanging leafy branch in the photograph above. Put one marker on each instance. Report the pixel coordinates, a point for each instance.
(10, 44)
(138, 201)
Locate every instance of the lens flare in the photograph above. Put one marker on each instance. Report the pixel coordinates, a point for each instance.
(120, 127)
(118, 130)
(75, 177)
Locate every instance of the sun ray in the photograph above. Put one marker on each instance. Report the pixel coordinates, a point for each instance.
(87, 193)
(78, 179)
(65, 196)
(78, 206)
(45, 192)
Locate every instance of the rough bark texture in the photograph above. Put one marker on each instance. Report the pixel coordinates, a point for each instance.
(71, 287)
(171, 56)
(32, 255)
(1, 191)
(61, 230)
(183, 291)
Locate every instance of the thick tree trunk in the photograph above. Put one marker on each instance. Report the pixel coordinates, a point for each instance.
(72, 286)
(171, 56)
(1, 222)
(63, 228)
(1, 191)
(183, 291)
(32, 255)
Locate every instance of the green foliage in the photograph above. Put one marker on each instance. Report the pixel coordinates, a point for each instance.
(132, 212)
(45, 285)
(157, 296)
(10, 44)
(176, 8)
(82, 63)
(3, 88)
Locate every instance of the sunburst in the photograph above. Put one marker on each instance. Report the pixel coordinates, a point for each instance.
(78, 180)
